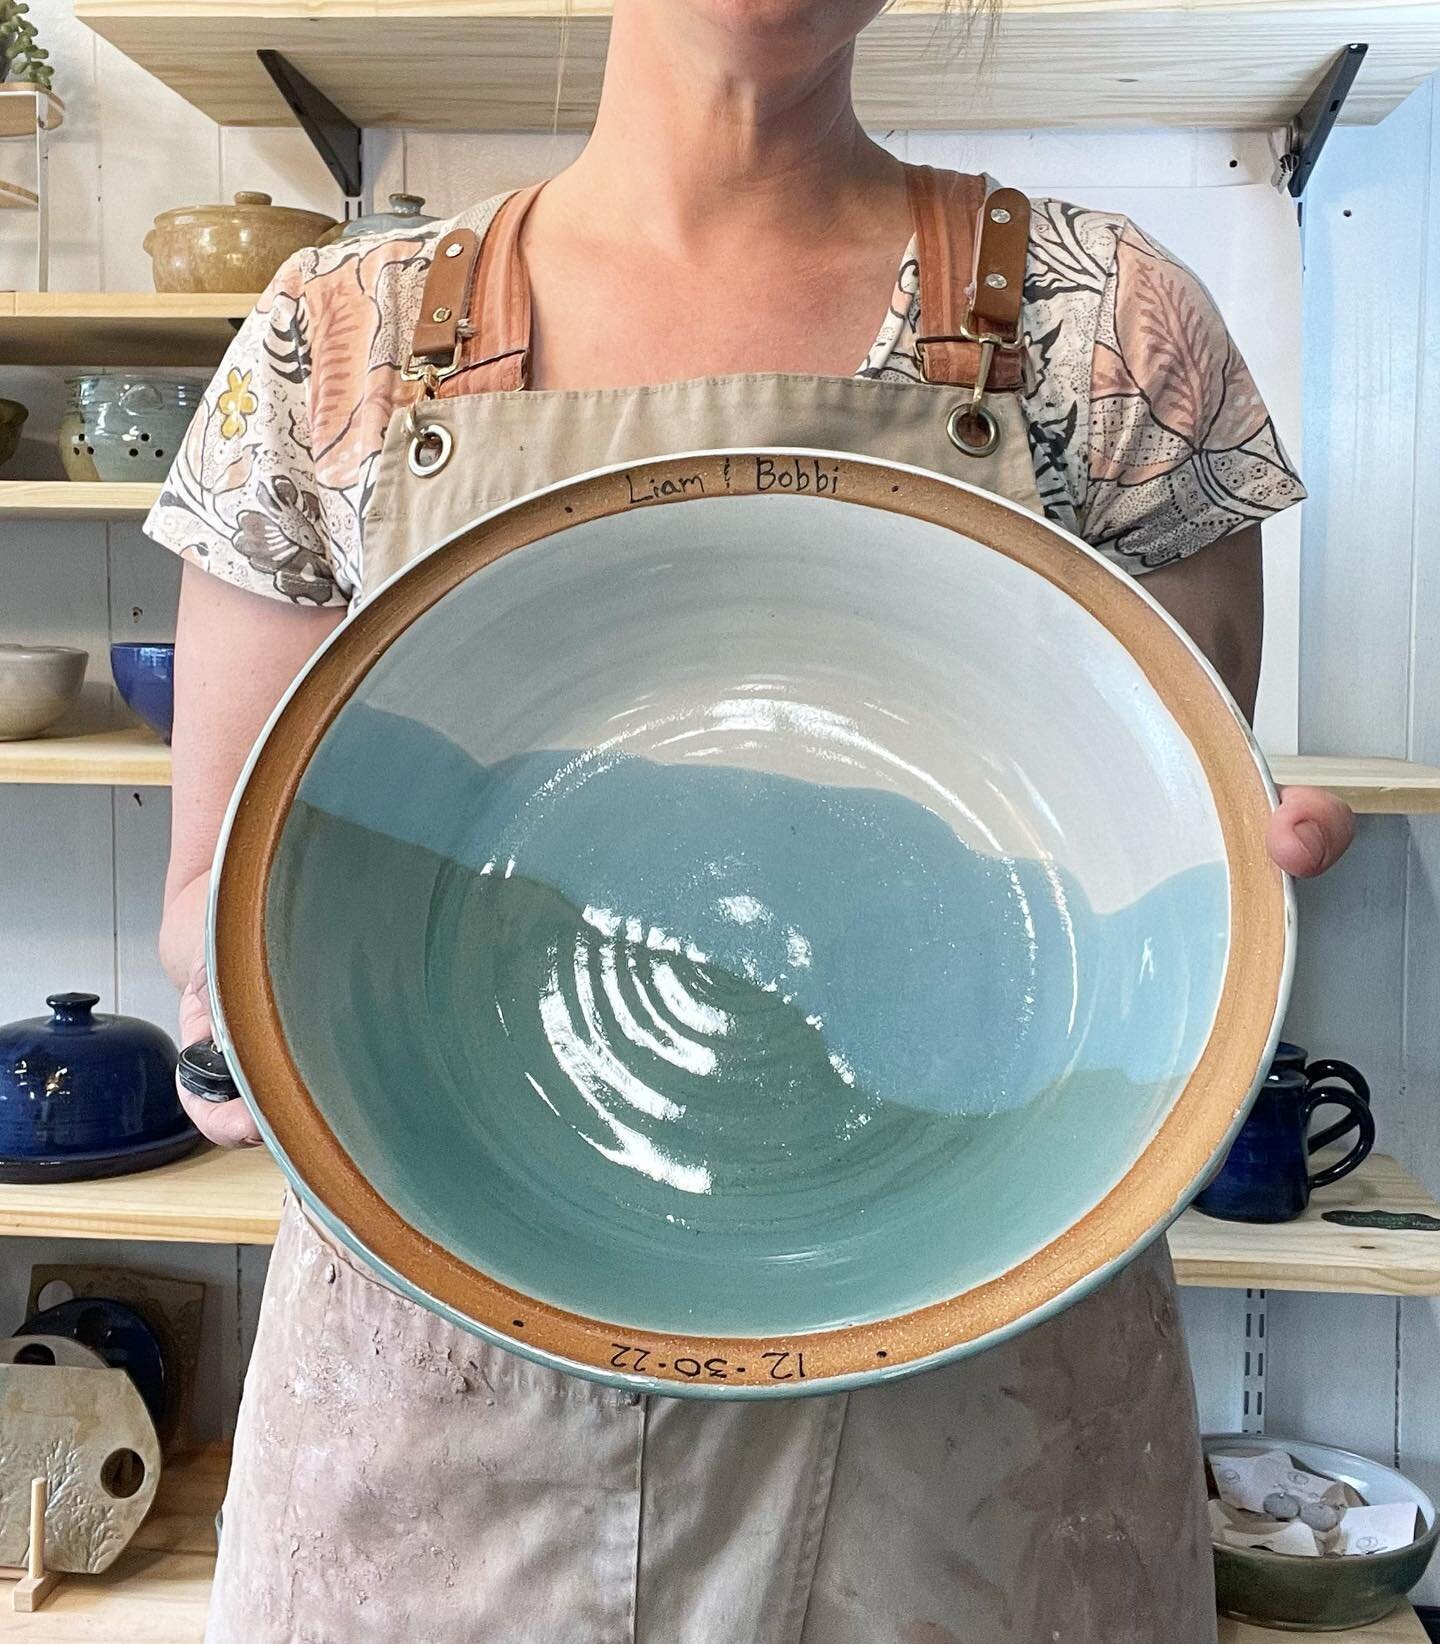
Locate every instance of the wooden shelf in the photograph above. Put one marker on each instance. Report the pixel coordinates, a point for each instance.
(1376, 787)
(23, 107)
(69, 499)
(133, 757)
(217, 1197)
(211, 1197)
(1402, 1627)
(158, 1590)
(84, 328)
(1313, 1254)
(466, 65)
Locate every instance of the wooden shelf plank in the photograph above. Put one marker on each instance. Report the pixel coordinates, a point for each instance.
(1378, 787)
(219, 1197)
(68, 499)
(131, 757)
(16, 197)
(1313, 1254)
(22, 106)
(1402, 1627)
(211, 1197)
(84, 328)
(466, 65)
(158, 1590)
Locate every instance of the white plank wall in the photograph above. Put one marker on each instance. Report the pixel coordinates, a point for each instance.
(80, 869)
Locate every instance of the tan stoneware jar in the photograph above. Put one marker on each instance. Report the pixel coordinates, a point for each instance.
(229, 247)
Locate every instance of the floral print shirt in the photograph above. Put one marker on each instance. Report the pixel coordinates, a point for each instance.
(1148, 434)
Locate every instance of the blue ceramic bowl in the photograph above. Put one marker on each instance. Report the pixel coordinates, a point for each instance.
(83, 1095)
(145, 677)
(752, 924)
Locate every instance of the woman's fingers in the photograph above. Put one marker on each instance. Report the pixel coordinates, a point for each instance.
(1309, 832)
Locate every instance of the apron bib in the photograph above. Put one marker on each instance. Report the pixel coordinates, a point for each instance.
(397, 1478)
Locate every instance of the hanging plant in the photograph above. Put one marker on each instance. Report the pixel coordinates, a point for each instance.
(22, 58)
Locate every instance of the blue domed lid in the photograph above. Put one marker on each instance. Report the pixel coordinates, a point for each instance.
(77, 1082)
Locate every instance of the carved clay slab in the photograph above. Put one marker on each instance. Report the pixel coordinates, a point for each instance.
(87, 1431)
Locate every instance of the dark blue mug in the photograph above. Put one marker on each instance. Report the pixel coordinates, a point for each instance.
(1267, 1175)
(1327, 1070)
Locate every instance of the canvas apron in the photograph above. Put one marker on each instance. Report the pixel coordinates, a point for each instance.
(398, 1479)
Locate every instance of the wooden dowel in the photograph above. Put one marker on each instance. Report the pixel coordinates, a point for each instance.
(39, 1497)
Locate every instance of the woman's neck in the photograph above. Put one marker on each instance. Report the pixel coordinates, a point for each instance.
(700, 137)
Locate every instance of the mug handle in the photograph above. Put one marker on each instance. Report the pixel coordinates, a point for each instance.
(1363, 1120)
(1323, 1072)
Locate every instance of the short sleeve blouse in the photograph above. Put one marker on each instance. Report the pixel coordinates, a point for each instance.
(1149, 436)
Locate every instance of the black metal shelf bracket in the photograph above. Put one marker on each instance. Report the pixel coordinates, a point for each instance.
(336, 137)
(1310, 130)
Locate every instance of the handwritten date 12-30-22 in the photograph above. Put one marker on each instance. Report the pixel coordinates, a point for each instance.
(772, 1365)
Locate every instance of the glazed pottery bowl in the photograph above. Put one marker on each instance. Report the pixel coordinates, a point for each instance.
(120, 428)
(144, 675)
(12, 420)
(38, 683)
(751, 923)
(1322, 1594)
(229, 247)
(85, 1095)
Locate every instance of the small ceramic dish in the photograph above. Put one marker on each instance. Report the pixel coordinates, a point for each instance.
(751, 923)
(1322, 1594)
(38, 684)
(144, 675)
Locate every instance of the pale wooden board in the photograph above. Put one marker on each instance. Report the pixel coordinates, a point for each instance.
(118, 327)
(1378, 787)
(158, 1590)
(21, 106)
(70, 499)
(16, 197)
(466, 65)
(133, 755)
(1312, 1254)
(212, 1197)
(1403, 1627)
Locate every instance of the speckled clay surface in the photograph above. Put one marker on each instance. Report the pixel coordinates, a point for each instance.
(73, 1426)
(229, 247)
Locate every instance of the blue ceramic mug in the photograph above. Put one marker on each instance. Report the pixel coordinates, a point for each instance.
(1267, 1176)
(1326, 1070)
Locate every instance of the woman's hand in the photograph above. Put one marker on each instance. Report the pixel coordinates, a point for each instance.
(1309, 832)
(227, 1124)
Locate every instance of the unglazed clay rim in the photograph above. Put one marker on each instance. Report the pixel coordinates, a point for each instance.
(1191, 1139)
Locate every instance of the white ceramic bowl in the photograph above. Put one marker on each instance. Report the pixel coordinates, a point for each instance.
(38, 683)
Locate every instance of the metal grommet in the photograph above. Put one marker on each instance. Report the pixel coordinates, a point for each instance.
(440, 315)
(996, 282)
(965, 420)
(432, 437)
(454, 249)
(1000, 215)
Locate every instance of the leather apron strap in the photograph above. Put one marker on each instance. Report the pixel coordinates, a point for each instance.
(473, 335)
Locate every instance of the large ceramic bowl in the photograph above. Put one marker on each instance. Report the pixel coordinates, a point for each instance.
(1323, 1594)
(120, 427)
(751, 923)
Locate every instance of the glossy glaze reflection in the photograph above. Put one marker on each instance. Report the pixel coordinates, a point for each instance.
(771, 967)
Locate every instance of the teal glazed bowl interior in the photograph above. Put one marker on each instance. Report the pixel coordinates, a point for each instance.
(751, 924)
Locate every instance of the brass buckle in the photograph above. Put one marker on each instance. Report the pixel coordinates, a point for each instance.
(428, 372)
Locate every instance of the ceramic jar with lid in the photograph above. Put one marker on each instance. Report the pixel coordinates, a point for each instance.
(123, 427)
(84, 1095)
(229, 247)
(406, 211)
(12, 419)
